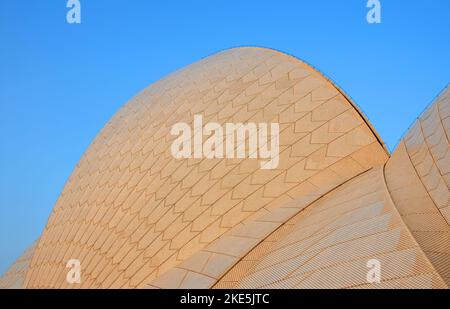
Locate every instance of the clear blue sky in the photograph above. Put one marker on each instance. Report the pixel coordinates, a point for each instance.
(60, 83)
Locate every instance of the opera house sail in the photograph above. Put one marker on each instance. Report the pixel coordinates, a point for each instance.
(332, 200)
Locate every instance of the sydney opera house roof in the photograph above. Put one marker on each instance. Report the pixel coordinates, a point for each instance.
(136, 217)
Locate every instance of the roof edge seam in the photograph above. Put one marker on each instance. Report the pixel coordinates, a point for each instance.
(408, 230)
(290, 218)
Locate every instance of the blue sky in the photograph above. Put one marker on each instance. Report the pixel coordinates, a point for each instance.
(60, 83)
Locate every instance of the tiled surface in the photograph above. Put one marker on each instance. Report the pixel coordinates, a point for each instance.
(427, 145)
(218, 257)
(136, 217)
(417, 177)
(130, 211)
(328, 244)
(15, 275)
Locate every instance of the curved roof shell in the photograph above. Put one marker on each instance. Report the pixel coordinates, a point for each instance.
(131, 212)
(134, 216)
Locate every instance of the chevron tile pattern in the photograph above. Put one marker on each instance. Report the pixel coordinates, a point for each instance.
(417, 176)
(136, 217)
(328, 244)
(15, 276)
(427, 145)
(130, 211)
